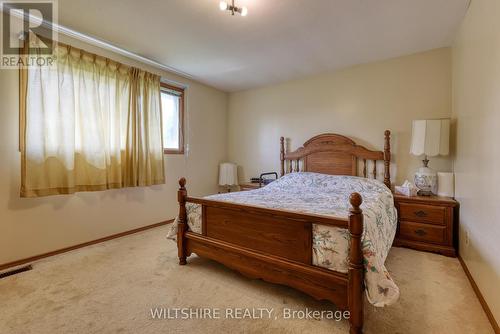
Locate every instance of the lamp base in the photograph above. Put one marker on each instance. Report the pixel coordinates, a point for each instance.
(226, 189)
(426, 180)
(424, 193)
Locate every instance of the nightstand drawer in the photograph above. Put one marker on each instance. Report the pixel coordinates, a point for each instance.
(422, 232)
(422, 213)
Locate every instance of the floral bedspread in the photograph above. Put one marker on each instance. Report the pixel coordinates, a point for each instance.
(329, 195)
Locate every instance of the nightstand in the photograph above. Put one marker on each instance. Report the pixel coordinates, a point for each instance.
(249, 186)
(427, 223)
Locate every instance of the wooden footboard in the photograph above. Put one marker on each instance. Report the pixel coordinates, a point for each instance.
(276, 246)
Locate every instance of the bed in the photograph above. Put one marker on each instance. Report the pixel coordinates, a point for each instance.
(320, 228)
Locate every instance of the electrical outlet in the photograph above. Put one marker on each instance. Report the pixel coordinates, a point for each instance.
(466, 238)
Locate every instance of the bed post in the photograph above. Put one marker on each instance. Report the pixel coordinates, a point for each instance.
(182, 221)
(282, 155)
(387, 159)
(355, 285)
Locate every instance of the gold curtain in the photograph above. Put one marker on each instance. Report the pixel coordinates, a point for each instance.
(88, 124)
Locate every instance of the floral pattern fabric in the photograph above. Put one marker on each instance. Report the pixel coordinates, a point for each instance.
(329, 195)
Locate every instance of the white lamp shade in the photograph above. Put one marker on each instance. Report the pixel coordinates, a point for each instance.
(228, 175)
(430, 137)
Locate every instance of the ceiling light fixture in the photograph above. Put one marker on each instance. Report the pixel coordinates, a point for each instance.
(243, 11)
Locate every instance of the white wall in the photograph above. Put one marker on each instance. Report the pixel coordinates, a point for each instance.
(359, 102)
(476, 106)
(34, 226)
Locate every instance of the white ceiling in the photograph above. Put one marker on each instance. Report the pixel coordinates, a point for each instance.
(279, 39)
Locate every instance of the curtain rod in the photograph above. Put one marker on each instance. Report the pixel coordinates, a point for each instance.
(101, 44)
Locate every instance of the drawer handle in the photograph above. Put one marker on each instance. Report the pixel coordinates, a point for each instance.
(420, 213)
(420, 233)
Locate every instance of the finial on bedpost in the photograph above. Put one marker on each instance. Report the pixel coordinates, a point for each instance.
(387, 159)
(182, 183)
(356, 269)
(282, 155)
(182, 221)
(356, 200)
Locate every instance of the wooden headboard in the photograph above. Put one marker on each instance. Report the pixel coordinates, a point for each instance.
(336, 155)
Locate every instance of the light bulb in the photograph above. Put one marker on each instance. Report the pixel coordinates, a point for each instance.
(244, 11)
(223, 5)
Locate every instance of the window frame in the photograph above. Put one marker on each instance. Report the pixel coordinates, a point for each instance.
(181, 92)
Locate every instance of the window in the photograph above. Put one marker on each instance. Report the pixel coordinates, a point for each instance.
(172, 106)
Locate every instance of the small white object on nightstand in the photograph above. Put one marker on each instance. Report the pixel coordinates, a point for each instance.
(407, 189)
(446, 184)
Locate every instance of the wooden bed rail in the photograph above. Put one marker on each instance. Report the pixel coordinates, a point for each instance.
(276, 246)
(252, 209)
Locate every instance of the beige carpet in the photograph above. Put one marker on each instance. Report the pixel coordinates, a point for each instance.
(111, 287)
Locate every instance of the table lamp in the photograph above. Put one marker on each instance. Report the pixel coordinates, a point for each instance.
(228, 175)
(429, 138)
